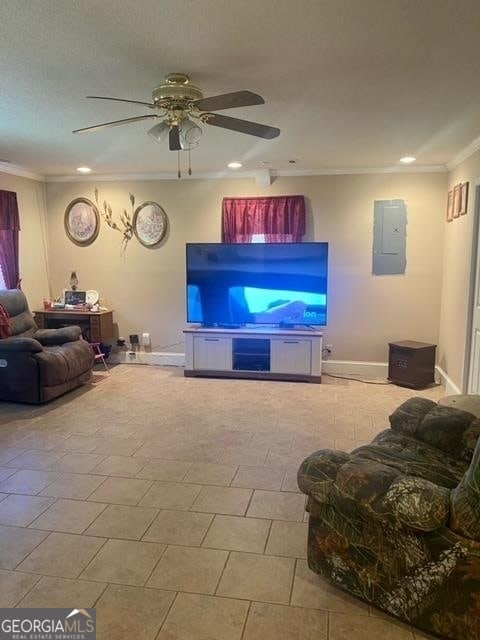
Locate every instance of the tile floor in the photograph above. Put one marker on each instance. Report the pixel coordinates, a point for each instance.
(170, 504)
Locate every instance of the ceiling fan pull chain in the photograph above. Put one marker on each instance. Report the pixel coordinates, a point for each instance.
(179, 175)
(189, 163)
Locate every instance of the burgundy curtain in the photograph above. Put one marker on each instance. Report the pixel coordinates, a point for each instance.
(279, 218)
(9, 228)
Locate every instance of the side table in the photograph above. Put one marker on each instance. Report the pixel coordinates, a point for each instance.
(411, 364)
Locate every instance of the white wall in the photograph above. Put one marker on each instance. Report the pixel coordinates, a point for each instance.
(456, 280)
(33, 235)
(146, 288)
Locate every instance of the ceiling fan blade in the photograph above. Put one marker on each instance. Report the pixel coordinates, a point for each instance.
(114, 123)
(174, 139)
(145, 104)
(228, 101)
(242, 126)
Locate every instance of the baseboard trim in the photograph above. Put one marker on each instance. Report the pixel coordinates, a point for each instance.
(355, 368)
(335, 367)
(451, 388)
(154, 358)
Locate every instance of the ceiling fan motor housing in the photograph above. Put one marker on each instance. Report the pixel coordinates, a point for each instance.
(176, 91)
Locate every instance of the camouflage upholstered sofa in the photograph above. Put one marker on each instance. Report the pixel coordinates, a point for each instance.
(397, 522)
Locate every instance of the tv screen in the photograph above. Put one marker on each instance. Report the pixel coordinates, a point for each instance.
(238, 284)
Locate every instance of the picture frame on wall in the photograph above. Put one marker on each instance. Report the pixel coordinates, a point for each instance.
(150, 224)
(456, 200)
(82, 221)
(463, 198)
(450, 206)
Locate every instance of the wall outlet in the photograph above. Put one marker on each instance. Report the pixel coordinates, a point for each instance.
(327, 351)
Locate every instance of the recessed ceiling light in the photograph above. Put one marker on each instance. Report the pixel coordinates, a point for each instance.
(234, 165)
(407, 159)
(83, 169)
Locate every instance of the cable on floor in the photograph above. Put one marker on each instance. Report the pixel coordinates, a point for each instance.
(330, 375)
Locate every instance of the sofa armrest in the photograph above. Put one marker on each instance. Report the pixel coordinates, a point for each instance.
(51, 337)
(372, 489)
(416, 503)
(18, 345)
(465, 501)
(318, 472)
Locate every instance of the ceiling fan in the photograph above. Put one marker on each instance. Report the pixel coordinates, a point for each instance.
(177, 103)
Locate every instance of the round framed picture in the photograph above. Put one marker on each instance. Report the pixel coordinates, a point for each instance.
(82, 221)
(150, 223)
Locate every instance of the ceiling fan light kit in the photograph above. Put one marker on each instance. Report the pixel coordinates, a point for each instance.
(178, 103)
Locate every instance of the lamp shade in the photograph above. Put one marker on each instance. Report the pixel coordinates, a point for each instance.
(190, 134)
(159, 132)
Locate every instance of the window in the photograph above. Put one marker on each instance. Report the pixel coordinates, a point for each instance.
(2, 281)
(264, 219)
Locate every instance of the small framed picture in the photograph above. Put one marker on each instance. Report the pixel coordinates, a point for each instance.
(450, 206)
(463, 198)
(150, 224)
(456, 200)
(82, 222)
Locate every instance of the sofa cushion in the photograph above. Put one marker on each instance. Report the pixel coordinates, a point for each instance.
(50, 337)
(16, 304)
(414, 458)
(452, 430)
(446, 428)
(58, 364)
(418, 504)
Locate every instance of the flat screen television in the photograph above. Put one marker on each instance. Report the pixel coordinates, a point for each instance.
(240, 284)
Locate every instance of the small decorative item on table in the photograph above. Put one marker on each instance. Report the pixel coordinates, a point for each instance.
(150, 224)
(82, 221)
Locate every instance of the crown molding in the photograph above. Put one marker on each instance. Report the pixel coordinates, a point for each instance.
(125, 177)
(228, 175)
(426, 168)
(16, 170)
(468, 151)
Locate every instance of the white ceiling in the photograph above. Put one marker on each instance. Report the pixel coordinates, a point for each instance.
(352, 84)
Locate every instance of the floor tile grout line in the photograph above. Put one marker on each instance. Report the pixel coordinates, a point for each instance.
(105, 507)
(292, 585)
(227, 560)
(244, 628)
(165, 547)
(47, 533)
(124, 504)
(174, 599)
(29, 590)
(268, 537)
(77, 577)
(212, 520)
(95, 602)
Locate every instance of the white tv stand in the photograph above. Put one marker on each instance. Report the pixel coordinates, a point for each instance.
(257, 352)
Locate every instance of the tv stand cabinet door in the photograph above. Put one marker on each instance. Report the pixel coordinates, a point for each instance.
(291, 355)
(212, 353)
